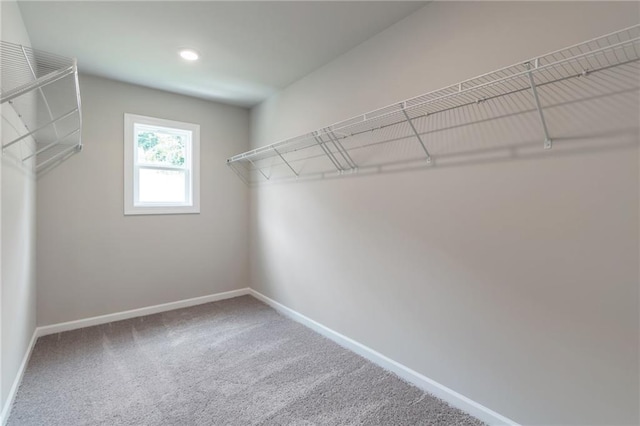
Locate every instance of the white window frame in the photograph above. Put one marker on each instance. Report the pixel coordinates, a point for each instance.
(131, 168)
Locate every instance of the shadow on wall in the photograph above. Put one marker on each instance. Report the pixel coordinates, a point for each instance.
(586, 107)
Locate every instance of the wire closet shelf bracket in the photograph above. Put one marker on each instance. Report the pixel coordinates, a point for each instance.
(521, 87)
(42, 90)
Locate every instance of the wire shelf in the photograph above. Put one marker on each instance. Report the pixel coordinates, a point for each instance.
(42, 90)
(513, 103)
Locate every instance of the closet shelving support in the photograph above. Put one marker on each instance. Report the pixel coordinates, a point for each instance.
(612, 57)
(43, 90)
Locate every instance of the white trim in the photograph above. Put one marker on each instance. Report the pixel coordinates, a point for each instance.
(6, 409)
(103, 319)
(134, 313)
(131, 167)
(452, 397)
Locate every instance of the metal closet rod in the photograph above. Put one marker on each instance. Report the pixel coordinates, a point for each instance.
(484, 99)
(487, 82)
(403, 120)
(44, 126)
(40, 82)
(59, 156)
(40, 69)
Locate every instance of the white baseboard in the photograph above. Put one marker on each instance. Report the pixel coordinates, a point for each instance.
(6, 409)
(103, 319)
(452, 397)
(134, 313)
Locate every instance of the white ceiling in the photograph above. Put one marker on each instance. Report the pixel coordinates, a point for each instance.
(249, 50)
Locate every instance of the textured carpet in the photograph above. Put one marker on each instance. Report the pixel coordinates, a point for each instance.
(234, 362)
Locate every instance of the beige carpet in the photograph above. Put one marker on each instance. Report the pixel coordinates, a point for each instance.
(234, 362)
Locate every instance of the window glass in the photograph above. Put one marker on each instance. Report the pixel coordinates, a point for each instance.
(161, 166)
(161, 146)
(158, 186)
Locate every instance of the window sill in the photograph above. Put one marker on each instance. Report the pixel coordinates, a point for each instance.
(161, 210)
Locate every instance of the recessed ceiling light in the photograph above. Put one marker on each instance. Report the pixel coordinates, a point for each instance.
(189, 54)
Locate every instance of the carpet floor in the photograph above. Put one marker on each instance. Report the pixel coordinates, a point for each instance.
(233, 362)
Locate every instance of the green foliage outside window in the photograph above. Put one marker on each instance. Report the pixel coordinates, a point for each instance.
(163, 148)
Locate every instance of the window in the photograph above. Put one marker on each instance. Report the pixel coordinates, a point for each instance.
(161, 166)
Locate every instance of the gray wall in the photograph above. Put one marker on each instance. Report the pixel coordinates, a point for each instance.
(18, 188)
(513, 282)
(93, 260)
